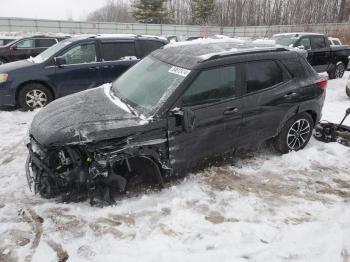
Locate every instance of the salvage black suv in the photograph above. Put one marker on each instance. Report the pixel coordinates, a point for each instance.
(176, 109)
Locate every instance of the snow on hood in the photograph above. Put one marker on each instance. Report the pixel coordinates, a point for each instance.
(91, 115)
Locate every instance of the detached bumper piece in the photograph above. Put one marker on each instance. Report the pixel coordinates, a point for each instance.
(72, 174)
(329, 132)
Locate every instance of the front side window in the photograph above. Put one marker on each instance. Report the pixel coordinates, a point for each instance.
(212, 86)
(262, 74)
(148, 84)
(28, 43)
(118, 50)
(305, 42)
(318, 42)
(80, 54)
(45, 42)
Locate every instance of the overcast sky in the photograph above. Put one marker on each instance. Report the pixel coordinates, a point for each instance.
(49, 9)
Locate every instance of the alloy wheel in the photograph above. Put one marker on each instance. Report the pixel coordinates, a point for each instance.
(298, 134)
(36, 98)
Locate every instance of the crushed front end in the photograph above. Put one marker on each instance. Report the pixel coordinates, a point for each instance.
(73, 171)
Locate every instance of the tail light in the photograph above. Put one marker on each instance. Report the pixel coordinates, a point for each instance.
(322, 82)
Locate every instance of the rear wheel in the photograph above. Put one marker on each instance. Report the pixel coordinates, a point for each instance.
(34, 96)
(338, 71)
(295, 134)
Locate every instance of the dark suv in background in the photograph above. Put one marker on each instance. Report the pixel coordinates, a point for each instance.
(178, 108)
(70, 66)
(26, 47)
(321, 55)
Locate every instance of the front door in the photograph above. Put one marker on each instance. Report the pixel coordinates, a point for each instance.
(23, 49)
(81, 71)
(212, 102)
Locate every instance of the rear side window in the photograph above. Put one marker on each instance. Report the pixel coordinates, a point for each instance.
(318, 42)
(263, 74)
(148, 46)
(295, 68)
(45, 42)
(212, 86)
(117, 50)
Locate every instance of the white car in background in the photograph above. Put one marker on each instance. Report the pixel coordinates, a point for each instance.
(334, 41)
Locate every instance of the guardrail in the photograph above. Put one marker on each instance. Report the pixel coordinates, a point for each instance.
(81, 27)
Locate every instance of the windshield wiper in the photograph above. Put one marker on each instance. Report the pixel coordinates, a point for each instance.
(132, 110)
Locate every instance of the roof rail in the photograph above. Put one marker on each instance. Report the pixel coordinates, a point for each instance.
(245, 52)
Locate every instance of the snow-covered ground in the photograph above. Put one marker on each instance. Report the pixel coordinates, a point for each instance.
(261, 207)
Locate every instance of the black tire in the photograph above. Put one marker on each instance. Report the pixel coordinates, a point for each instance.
(347, 90)
(34, 95)
(2, 61)
(283, 143)
(338, 71)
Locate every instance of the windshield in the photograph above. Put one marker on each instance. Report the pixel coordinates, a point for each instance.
(285, 40)
(149, 83)
(50, 51)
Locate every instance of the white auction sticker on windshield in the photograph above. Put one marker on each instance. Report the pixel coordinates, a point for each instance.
(179, 71)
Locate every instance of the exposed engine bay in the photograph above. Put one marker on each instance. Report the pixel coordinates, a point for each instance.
(78, 172)
(329, 132)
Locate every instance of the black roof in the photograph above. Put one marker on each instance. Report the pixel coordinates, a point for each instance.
(190, 54)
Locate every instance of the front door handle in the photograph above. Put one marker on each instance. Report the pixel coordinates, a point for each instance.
(290, 95)
(94, 68)
(231, 111)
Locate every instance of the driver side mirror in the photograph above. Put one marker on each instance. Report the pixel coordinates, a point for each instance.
(301, 47)
(14, 47)
(186, 117)
(60, 61)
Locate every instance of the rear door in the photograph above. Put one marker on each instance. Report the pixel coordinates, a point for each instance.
(41, 44)
(269, 94)
(213, 100)
(320, 53)
(117, 57)
(81, 71)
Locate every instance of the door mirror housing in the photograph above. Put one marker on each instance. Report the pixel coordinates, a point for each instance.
(301, 47)
(186, 117)
(60, 61)
(14, 47)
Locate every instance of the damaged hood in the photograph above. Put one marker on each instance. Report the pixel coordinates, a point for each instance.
(84, 117)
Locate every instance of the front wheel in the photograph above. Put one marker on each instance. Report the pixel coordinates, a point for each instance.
(295, 134)
(2, 61)
(338, 71)
(347, 90)
(34, 96)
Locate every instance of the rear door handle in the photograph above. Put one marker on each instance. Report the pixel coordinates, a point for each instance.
(94, 67)
(231, 111)
(290, 95)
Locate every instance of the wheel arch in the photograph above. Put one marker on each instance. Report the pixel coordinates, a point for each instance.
(44, 83)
